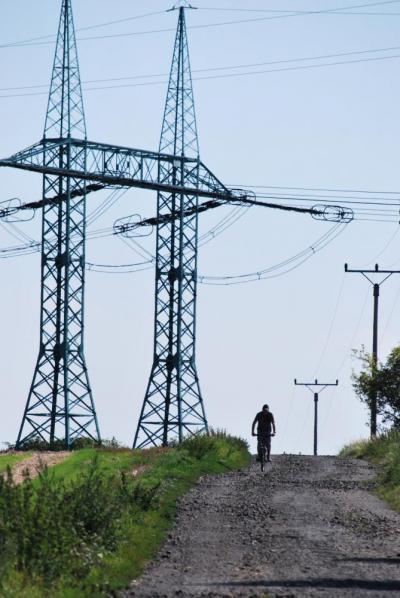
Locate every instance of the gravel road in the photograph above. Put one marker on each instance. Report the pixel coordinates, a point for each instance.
(308, 526)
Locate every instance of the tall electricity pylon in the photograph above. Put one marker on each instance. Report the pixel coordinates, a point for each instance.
(173, 405)
(60, 406)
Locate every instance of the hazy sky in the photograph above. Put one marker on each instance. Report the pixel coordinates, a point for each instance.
(306, 125)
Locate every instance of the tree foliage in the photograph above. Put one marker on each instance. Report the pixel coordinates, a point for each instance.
(385, 379)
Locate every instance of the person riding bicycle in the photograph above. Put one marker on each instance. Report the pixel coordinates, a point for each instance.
(265, 429)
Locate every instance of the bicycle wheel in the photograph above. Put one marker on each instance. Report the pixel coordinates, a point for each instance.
(262, 457)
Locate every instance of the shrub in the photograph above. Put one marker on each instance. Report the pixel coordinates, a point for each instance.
(50, 529)
(197, 446)
(200, 445)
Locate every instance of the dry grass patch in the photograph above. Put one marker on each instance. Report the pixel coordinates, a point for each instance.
(34, 464)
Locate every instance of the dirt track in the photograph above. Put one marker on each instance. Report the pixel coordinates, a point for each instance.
(307, 527)
(35, 463)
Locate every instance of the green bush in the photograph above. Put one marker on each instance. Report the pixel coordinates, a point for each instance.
(49, 529)
(88, 527)
(197, 446)
(200, 445)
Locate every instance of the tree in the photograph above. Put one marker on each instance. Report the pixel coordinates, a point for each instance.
(385, 379)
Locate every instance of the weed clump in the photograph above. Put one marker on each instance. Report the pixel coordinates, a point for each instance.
(216, 442)
(52, 529)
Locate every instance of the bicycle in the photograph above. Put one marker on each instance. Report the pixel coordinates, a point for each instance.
(262, 451)
(262, 444)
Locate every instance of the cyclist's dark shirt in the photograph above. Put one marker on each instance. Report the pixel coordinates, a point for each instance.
(264, 420)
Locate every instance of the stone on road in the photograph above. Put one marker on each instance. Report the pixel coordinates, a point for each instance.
(307, 526)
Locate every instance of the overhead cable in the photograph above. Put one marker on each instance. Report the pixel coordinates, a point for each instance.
(220, 68)
(283, 267)
(294, 14)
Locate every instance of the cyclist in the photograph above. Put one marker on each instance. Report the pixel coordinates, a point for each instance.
(265, 429)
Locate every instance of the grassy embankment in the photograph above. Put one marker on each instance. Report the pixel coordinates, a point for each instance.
(88, 526)
(385, 452)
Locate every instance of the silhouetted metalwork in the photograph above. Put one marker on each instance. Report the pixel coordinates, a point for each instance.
(12, 210)
(129, 226)
(60, 404)
(331, 213)
(173, 404)
(320, 386)
(119, 166)
(373, 399)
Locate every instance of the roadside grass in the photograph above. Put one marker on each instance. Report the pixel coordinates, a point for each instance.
(384, 451)
(144, 519)
(7, 460)
(109, 461)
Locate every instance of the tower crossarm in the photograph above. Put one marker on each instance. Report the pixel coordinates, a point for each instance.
(113, 165)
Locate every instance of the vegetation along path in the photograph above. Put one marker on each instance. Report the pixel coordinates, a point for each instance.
(308, 526)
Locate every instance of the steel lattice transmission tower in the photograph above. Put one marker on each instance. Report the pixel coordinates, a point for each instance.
(173, 405)
(60, 405)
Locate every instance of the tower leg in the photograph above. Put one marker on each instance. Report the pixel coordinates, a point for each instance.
(173, 406)
(60, 405)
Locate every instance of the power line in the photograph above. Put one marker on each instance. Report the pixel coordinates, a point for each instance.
(118, 268)
(31, 245)
(109, 201)
(52, 36)
(284, 267)
(223, 68)
(385, 247)
(293, 14)
(330, 330)
(236, 214)
(259, 275)
(127, 225)
(225, 76)
(299, 12)
(383, 333)
(322, 189)
(124, 20)
(368, 200)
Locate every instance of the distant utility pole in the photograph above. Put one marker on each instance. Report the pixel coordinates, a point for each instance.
(320, 386)
(374, 364)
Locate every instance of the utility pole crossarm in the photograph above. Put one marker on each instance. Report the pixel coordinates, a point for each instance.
(376, 270)
(113, 165)
(322, 385)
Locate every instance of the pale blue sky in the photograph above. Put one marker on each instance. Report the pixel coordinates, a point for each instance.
(334, 127)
